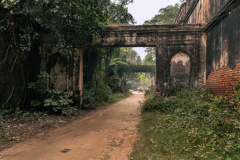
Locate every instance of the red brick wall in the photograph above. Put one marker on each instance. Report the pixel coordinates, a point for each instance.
(224, 79)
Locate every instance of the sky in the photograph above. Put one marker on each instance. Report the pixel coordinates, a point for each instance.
(144, 10)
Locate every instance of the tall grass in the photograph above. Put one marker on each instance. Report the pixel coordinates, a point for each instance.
(190, 125)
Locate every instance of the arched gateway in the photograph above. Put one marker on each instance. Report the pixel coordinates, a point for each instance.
(168, 40)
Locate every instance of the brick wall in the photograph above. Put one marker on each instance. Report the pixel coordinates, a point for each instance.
(224, 79)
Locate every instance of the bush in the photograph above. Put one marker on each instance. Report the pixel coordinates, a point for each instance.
(96, 95)
(51, 100)
(177, 88)
(149, 92)
(100, 95)
(210, 126)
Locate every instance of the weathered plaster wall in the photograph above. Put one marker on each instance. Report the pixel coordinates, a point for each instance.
(194, 17)
(210, 9)
(223, 36)
(224, 53)
(200, 11)
(180, 69)
(140, 36)
(168, 39)
(55, 65)
(193, 44)
(184, 10)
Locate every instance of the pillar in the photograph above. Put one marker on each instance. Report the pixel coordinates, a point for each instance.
(70, 74)
(162, 73)
(80, 83)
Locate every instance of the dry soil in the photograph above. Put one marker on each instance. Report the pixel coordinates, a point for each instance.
(106, 134)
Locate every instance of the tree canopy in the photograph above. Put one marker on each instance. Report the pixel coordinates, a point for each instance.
(22, 21)
(165, 15)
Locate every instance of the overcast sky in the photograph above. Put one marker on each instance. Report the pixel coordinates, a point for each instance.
(144, 10)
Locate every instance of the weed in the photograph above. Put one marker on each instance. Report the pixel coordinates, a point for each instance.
(190, 125)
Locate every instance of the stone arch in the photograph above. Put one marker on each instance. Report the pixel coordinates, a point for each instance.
(180, 67)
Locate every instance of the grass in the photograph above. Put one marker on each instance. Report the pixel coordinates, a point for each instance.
(190, 125)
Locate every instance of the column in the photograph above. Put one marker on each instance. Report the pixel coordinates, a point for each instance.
(80, 84)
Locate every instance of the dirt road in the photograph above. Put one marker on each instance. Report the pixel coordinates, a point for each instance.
(106, 134)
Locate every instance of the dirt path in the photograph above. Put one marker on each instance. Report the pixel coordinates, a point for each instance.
(106, 134)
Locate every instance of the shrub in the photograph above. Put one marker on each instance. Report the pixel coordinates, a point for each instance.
(95, 95)
(210, 125)
(51, 100)
(149, 93)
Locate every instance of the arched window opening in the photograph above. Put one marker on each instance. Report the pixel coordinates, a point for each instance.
(180, 69)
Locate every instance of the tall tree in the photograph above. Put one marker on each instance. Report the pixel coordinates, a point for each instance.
(22, 21)
(130, 55)
(165, 15)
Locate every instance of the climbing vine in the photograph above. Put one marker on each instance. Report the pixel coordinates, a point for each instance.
(22, 22)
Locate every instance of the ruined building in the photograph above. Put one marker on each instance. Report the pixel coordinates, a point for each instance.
(200, 49)
(222, 27)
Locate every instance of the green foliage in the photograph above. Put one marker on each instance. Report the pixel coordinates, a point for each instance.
(49, 99)
(95, 95)
(130, 55)
(67, 22)
(99, 95)
(190, 123)
(6, 112)
(144, 79)
(115, 97)
(133, 82)
(166, 15)
(229, 102)
(140, 68)
(150, 56)
(118, 13)
(149, 93)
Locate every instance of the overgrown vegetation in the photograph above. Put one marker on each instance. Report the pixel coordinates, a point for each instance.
(101, 95)
(23, 21)
(190, 125)
(51, 100)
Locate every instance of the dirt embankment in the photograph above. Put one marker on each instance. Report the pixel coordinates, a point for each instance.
(106, 134)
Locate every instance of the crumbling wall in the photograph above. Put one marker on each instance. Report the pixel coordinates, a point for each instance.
(194, 45)
(224, 79)
(210, 9)
(199, 11)
(223, 36)
(223, 53)
(180, 69)
(184, 11)
(194, 16)
(55, 65)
